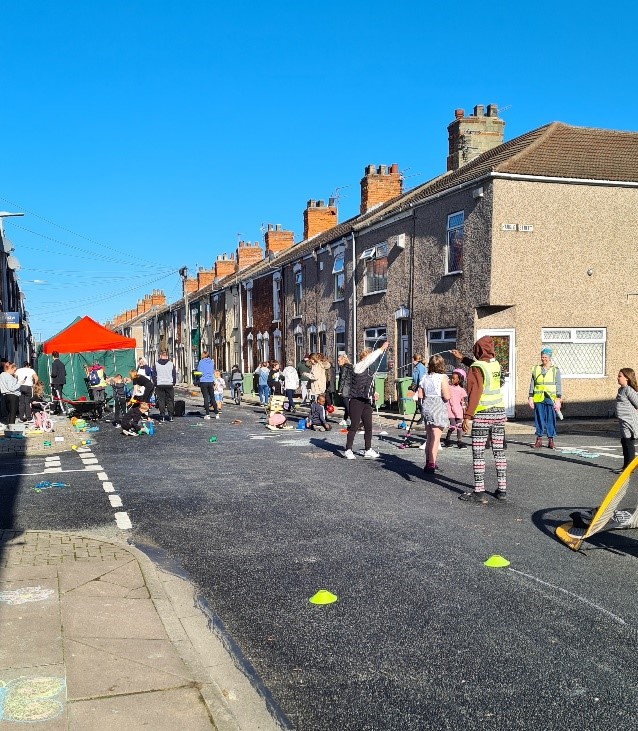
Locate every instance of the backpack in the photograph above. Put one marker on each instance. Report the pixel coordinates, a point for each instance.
(94, 378)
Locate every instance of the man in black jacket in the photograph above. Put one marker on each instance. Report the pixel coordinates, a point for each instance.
(58, 379)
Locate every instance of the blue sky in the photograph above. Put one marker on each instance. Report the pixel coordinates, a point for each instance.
(143, 136)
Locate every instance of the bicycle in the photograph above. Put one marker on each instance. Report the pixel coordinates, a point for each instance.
(42, 419)
(237, 389)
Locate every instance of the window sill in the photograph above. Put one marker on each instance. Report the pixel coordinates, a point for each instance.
(341, 299)
(377, 291)
(453, 274)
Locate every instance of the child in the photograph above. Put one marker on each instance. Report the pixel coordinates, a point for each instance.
(627, 414)
(317, 416)
(455, 407)
(219, 386)
(134, 419)
(119, 396)
(236, 380)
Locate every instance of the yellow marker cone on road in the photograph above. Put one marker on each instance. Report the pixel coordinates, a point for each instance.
(323, 596)
(496, 562)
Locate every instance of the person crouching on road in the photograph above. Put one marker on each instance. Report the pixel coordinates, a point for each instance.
(485, 415)
(317, 416)
(141, 383)
(361, 400)
(545, 398)
(134, 419)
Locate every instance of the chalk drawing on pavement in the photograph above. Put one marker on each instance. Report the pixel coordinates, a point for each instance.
(31, 699)
(25, 594)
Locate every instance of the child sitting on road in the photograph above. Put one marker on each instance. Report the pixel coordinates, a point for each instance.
(134, 420)
(218, 386)
(317, 416)
(455, 408)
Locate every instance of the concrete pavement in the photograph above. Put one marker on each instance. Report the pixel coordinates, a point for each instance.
(96, 636)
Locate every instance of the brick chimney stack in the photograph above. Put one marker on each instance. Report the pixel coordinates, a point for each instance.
(204, 277)
(248, 254)
(318, 217)
(277, 239)
(158, 298)
(470, 136)
(379, 185)
(224, 265)
(189, 285)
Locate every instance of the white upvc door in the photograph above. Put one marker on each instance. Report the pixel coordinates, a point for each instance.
(505, 348)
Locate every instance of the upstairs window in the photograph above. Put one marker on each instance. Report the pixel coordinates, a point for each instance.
(454, 247)
(298, 293)
(339, 273)
(376, 268)
(276, 290)
(249, 306)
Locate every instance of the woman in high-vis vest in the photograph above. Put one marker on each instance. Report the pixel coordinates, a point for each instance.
(485, 412)
(545, 398)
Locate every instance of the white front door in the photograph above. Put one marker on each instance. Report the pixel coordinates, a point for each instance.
(505, 351)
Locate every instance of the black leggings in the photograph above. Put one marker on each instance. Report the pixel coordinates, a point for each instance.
(360, 411)
(628, 450)
(208, 392)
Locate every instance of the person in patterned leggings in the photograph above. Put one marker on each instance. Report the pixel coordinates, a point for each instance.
(485, 412)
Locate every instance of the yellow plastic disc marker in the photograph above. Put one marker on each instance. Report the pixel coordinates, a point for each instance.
(496, 562)
(323, 596)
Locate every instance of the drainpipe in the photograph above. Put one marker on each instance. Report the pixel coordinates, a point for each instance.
(241, 331)
(354, 299)
(411, 298)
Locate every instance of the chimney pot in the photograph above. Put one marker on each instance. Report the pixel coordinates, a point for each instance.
(492, 110)
(394, 168)
(278, 227)
(382, 169)
(459, 113)
(478, 110)
(270, 226)
(331, 202)
(370, 170)
(319, 204)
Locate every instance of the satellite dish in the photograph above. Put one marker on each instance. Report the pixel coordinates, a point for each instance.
(13, 263)
(8, 246)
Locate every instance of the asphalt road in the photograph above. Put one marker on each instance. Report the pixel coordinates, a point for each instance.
(423, 635)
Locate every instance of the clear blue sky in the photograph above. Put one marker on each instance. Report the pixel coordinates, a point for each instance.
(165, 131)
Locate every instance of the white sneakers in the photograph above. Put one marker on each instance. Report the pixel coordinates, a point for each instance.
(217, 416)
(365, 453)
(206, 416)
(349, 454)
(343, 422)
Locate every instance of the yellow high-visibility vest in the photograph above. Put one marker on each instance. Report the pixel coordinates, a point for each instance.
(544, 385)
(492, 397)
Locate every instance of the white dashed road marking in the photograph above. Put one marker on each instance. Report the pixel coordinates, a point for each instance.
(116, 501)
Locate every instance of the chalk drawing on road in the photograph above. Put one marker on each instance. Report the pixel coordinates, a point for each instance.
(31, 699)
(295, 442)
(25, 594)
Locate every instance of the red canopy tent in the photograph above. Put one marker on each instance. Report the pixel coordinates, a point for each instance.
(81, 343)
(85, 335)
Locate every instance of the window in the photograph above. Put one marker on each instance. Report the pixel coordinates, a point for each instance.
(454, 248)
(276, 345)
(376, 272)
(322, 343)
(276, 290)
(260, 348)
(312, 339)
(251, 357)
(266, 342)
(298, 293)
(340, 342)
(442, 341)
(372, 339)
(299, 349)
(403, 336)
(338, 270)
(579, 352)
(249, 304)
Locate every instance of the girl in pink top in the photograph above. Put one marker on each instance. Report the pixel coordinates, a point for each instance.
(455, 407)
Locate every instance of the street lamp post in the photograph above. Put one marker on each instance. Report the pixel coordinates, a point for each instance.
(183, 273)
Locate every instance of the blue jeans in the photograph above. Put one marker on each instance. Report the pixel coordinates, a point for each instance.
(545, 418)
(264, 394)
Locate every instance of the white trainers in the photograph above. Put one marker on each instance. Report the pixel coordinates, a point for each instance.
(349, 454)
(343, 422)
(422, 446)
(217, 416)
(371, 454)
(207, 416)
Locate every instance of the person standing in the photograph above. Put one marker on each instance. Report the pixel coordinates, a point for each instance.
(97, 381)
(346, 372)
(434, 392)
(627, 413)
(207, 384)
(418, 371)
(165, 378)
(545, 392)
(144, 368)
(361, 399)
(10, 390)
(58, 379)
(27, 378)
(305, 377)
(291, 384)
(263, 374)
(319, 368)
(485, 411)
